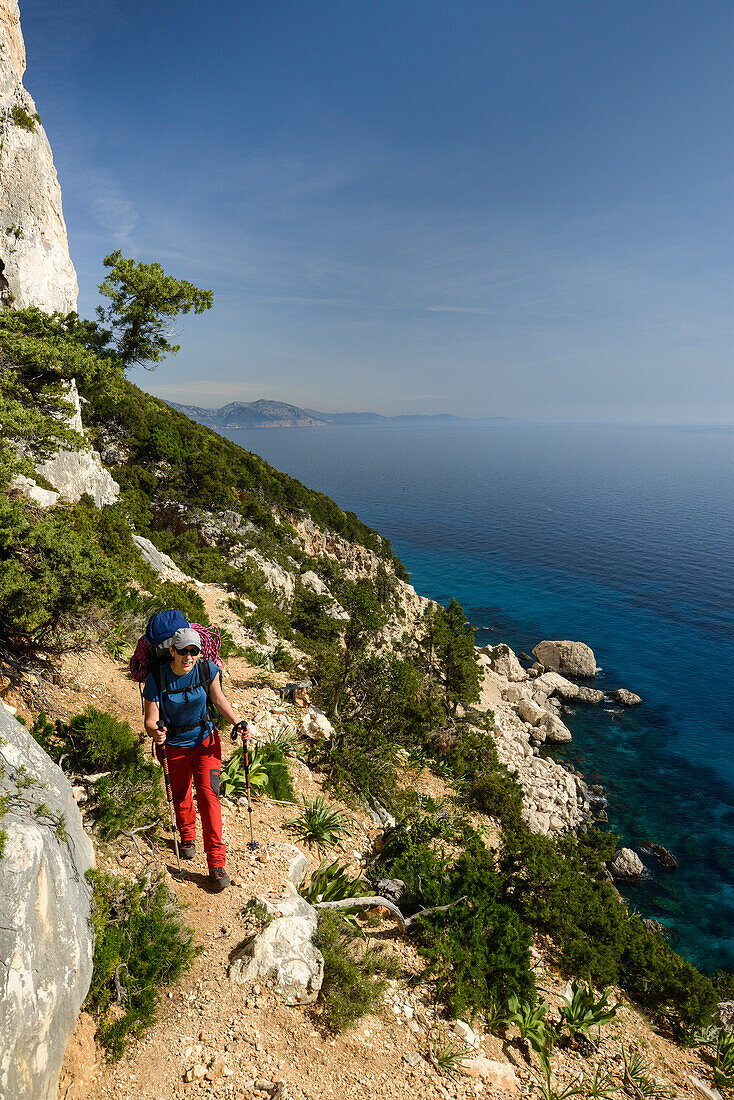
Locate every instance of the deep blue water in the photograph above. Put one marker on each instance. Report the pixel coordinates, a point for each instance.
(621, 537)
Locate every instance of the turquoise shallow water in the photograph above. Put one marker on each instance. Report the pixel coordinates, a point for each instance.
(620, 537)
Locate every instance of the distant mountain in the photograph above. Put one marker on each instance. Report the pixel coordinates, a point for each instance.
(278, 414)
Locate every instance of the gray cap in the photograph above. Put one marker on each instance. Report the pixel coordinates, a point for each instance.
(183, 637)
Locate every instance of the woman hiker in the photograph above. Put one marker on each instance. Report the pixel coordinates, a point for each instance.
(193, 748)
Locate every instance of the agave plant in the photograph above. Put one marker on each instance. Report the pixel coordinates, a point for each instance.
(724, 1064)
(318, 826)
(268, 773)
(332, 882)
(447, 1055)
(583, 1011)
(534, 1028)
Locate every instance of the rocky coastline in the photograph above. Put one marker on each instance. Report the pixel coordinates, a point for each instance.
(527, 703)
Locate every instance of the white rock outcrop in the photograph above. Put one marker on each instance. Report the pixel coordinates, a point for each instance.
(27, 487)
(313, 583)
(76, 472)
(277, 579)
(574, 658)
(284, 953)
(34, 250)
(159, 562)
(626, 864)
(46, 941)
(505, 663)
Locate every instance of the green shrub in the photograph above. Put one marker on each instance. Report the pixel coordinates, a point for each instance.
(51, 575)
(141, 946)
(130, 796)
(478, 950)
(558, 887)
(354, 976)
(22, 118)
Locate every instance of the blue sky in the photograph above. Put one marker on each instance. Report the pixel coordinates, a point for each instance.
(517, 209)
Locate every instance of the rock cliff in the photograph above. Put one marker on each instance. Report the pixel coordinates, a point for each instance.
(46, 940)
(35, 266)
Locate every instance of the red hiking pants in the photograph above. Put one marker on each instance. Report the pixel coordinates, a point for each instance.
(203, 764)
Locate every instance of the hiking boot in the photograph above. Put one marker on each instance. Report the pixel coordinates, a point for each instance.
(187, 851)
(218, 879)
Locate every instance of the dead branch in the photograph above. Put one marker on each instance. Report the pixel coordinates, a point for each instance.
(410, 921)
(366, 903)
(406, 923)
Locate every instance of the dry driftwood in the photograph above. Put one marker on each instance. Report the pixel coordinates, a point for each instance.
(406, 923)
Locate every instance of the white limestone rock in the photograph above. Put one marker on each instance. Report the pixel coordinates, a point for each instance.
(626, 864)
(34, 250)
(316, 726)
(505, 663)
(313, 583)
(164, 566)
(491, 686)
(573, 658)
(277, 579)
(555, 729)
(46, 942)
(27, 487)
(530, 712)
(76, 472)
(285, 952)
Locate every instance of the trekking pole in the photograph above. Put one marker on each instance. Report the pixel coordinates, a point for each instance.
(242, 727)
(180, 874)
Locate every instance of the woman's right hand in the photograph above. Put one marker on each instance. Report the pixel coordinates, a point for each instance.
(160, 734)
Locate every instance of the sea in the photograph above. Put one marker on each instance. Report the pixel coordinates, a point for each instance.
(618, 536)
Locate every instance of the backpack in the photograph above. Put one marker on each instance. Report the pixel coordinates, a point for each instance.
(151, 654)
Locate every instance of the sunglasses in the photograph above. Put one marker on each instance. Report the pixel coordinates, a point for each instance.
(190, 651)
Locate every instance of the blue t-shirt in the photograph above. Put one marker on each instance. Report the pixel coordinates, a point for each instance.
(184, 703)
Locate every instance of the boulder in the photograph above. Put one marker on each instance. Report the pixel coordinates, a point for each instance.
(504, 662)
(530, 712)
(513, 693)
(46, 942)
(626, 864)
(625, 697)
(490, 687)
(284, 953)
(316, 726)
(589, 695)
(391, 888)
(555, 729)
(27, 487)
(573, 658)
(667, 858)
